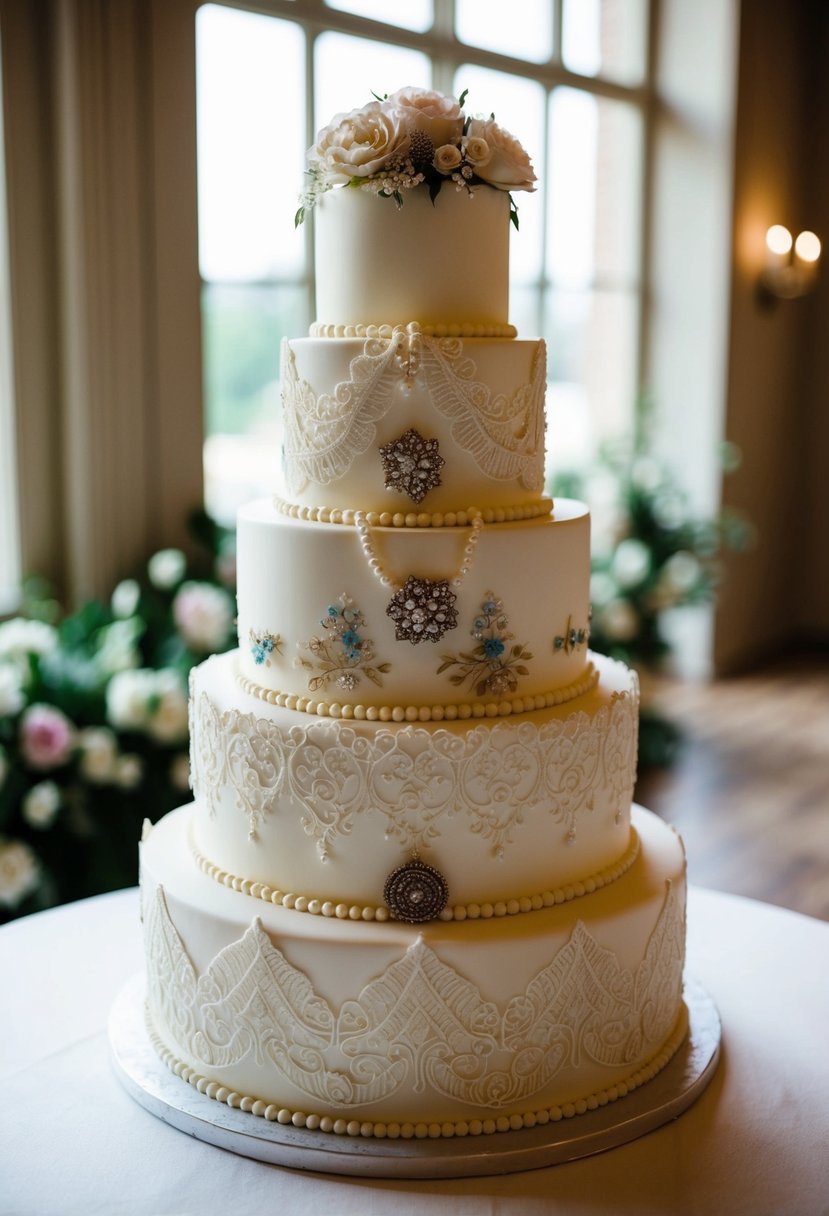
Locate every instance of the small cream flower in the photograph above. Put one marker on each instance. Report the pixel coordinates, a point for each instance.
(477, 151)
(447, 158)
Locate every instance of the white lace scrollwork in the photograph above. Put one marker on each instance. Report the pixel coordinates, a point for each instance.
(494, 775)
(325, 433)
(420, 1023)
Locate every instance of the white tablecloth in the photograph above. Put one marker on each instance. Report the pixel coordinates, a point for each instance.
(756, 1142)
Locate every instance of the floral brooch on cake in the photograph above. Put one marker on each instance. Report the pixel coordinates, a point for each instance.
(415, 137)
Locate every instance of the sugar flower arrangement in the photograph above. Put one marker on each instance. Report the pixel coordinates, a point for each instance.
(415, 137)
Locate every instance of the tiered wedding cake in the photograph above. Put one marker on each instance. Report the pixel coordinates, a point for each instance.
(410, 897)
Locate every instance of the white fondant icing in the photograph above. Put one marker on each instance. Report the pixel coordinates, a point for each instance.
(435, 1022)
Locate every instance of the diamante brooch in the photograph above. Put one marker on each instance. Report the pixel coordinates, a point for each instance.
(412, 465)
(416, 892)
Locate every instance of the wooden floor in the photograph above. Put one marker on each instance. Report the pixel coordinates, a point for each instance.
(750, 790)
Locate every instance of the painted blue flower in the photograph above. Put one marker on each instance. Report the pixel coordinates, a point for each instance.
(333, 610)
(267, 644)
(490, 606)
(493, 647)
(258, 652)
(352, 642)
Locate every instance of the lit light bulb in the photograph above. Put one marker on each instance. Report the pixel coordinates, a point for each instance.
(807, 247)
(779, 239)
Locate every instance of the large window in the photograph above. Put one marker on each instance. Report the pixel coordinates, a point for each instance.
(568, 77)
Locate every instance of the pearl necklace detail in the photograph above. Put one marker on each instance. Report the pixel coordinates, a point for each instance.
(385, 579)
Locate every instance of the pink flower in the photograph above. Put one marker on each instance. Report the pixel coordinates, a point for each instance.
(46, 737)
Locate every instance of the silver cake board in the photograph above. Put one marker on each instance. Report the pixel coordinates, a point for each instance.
(662, 1099)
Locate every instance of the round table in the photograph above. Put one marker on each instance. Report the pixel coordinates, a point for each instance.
(756, 1142)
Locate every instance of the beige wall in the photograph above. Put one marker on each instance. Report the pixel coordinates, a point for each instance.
(778, 364)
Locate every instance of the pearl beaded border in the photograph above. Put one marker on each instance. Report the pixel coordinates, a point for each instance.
(415, 519)
(322, 329)
(375, 565)
(482, 910)
(393, 1130)
(464, 712)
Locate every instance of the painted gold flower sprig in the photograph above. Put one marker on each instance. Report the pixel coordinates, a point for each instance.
(494, 665)
(343, 655)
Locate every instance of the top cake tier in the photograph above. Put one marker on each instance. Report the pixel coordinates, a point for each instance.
(443, 264)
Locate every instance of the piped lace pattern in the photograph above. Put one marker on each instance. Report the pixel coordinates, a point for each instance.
(412, 778)
(420, 1024)
(325, 433)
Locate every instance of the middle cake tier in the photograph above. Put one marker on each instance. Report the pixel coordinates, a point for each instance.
(423, 623)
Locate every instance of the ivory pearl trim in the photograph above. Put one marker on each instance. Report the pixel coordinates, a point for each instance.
(342, 1126)
(322, 329)
(482, 910)
(422, 713)
(415, 519)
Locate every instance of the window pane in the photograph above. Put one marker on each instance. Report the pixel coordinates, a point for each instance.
(592, 338)
(605, 38)
(349, 71)
(525, 31)
(518, 105)
(413, 15)
(243, 328)
(594, 206)
(251, 143)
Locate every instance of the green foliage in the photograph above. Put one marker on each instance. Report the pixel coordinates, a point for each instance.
(653, 555)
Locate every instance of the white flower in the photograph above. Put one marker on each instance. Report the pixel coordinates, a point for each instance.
(19, 872)
(168, 723)
(125, 598)
(167, 568)
(360, 143)
(509, 166)
(129, 699)
(424, 110)
(128, 771)
(681, 572)
(619, 620)
(19, 638)
(646, 474)
(603, 589)
(631, 563)
(12, 699)
(203, 615)
(99, 752)
(40, 806)
(180, 771)
(117, 646)
(446, 159)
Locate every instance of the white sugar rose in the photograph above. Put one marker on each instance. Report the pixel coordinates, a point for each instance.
(20, 637)
(167, 568)
(509, 166)
(424, 110)
(360, 144)
(446, 159)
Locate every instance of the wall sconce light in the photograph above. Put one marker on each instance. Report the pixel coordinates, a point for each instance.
(791, 268)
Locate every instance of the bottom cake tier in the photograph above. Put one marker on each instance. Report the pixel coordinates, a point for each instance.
(388, 1028)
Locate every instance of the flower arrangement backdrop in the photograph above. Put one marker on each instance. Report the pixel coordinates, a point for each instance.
(94, 721)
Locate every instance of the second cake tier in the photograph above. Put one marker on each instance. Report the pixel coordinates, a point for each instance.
(342, 619)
